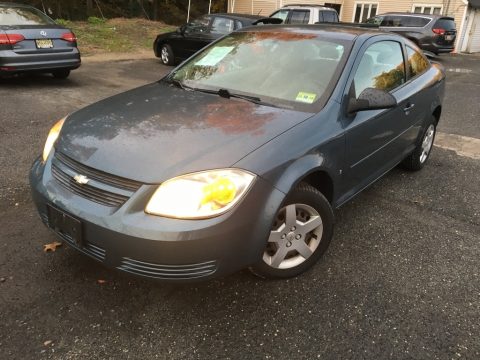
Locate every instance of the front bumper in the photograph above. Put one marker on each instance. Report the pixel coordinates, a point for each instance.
(12, 62)
(161, 248)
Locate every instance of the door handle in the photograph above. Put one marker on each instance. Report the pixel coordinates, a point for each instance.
(408, 107)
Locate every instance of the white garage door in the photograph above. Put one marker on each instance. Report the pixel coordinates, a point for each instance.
(474, 39)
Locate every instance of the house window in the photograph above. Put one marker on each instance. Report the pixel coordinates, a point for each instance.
(427, 9)
(364, 11)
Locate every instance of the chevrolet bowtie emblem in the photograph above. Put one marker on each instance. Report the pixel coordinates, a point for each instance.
(81, 179)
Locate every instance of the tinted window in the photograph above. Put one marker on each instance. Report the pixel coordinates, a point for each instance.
(417, 63)
(287, 69)
(199, 25)
(445, 23)
(413, 21)
(381, 67)
(329, 16)
(299, 17)
(280, 14)
(23, 16)
(377, 20)
(392, 21)
(222, 25)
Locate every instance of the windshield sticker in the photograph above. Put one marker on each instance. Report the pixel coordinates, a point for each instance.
(214, 56)
(305, 97)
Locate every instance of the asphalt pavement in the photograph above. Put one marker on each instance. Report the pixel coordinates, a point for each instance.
(400, 279)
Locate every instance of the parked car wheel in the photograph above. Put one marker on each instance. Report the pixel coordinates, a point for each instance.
(417, 159)
(300, 235)
(61, 74)
(166, 55)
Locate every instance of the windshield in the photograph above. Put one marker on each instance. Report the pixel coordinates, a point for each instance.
(12, 16)
(282, 68)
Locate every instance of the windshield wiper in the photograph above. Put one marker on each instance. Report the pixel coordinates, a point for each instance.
(179, 84)
(227, 95)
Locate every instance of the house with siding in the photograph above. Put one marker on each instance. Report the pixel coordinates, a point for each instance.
(465, 12)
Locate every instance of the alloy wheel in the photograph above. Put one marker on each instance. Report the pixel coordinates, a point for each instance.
(427, 143)
(164, 55)
(294, 237)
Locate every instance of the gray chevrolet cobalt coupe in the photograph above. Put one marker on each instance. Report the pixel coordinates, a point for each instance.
(32, 42)
(238, 157)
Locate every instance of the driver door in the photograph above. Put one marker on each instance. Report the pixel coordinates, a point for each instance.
(373, 137)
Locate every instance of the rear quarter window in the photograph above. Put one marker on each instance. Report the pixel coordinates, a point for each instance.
(23, 16)
(329, 16)
(445, 23)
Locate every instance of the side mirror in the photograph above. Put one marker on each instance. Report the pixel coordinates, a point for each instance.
(181, 29)
(372, 99)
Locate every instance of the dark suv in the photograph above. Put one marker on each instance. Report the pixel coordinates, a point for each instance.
(432, 33)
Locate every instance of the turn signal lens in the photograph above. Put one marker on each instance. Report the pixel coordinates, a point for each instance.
(52, 138)
(200, 195)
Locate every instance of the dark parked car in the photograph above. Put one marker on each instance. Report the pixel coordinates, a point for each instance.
(432, 33)
(176, 46)
(238, 157)
(32, 42)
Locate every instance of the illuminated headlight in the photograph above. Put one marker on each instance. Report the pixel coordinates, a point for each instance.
(52, 137)
(200, 195)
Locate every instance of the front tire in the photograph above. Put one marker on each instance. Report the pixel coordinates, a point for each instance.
(418, 158)
(166, 55)
(300, 235)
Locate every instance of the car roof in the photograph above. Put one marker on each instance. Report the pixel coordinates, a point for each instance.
(308, 5)
(238, 16)
(432, 16)
(341, 31)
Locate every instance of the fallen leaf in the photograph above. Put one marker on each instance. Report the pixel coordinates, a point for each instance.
(48, 342)
(51, 247)
(101, 281)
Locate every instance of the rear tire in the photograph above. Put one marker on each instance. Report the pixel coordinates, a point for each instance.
(166, 55)
(418, 158)
(300, 235)
(61, 74)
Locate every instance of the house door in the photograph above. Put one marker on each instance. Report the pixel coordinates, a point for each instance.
(474, 35)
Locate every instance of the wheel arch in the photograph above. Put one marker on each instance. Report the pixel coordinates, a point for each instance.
(437, 112)
(321, 180)
(312, 170)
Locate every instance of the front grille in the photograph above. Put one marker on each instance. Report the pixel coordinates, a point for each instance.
(89, 249)
(119, 189)
(103, 177)
(173, 272)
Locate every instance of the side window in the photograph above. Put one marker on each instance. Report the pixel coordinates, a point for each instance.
(417, 63)
(320, 17)
(329, 16)
(199, 25)
(414, 21)
(300, 16)
(377, 20)
(222, 25)
(382, 67)
(238, 25)
(280, 14)
(392, 21)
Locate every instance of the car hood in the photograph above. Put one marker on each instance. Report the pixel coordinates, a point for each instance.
(159, 131)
